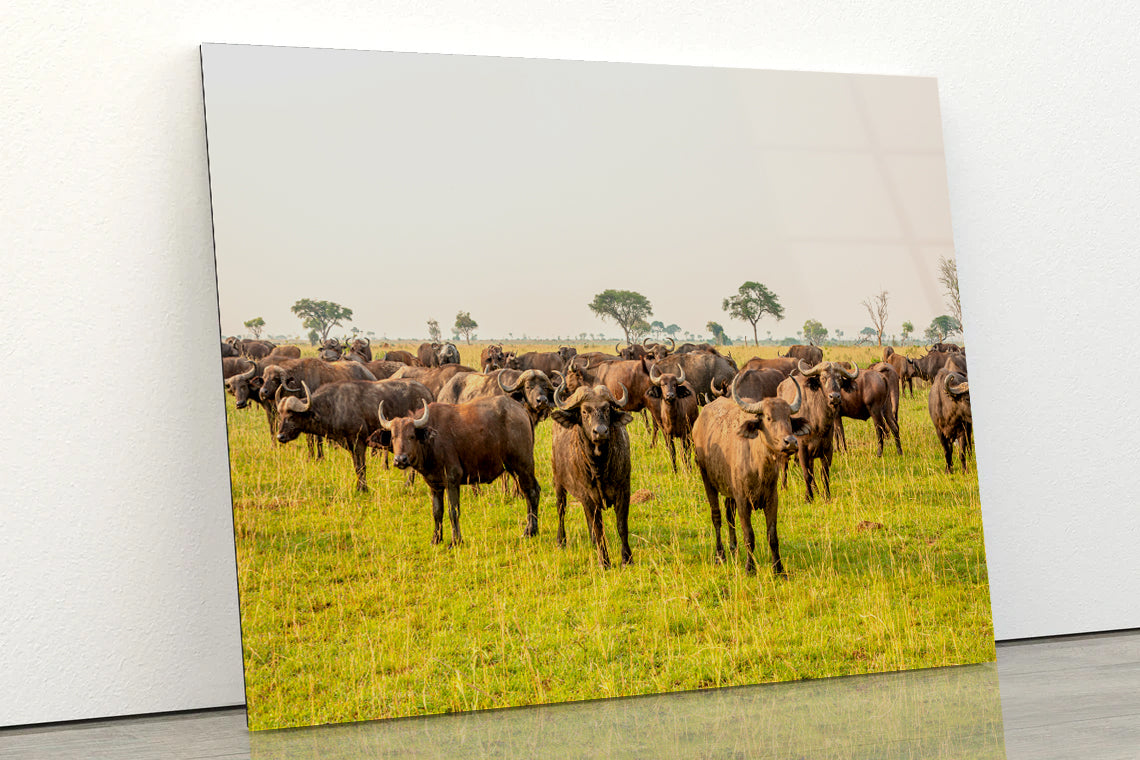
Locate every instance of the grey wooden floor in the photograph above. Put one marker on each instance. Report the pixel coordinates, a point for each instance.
(1076, 697)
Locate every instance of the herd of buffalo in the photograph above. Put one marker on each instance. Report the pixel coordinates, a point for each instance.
(458, 425)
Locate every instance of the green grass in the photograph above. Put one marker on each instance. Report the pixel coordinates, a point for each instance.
(349, 613)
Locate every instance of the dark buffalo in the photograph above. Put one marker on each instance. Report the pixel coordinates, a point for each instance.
(867, 396)
(949, 405)
(673, 405)
(708, 373)
(285, 352)
(428, 354)
(894, 383)
(491, 358)
(591, 462)
(256, 349)
(755, 384)
(928, 366)
(685, 348)
(433, 377)
(630, 377)
(631, 352)
(360, 350)
(404, 357)
(531, 388)
(344, 412)
(331, 350)
(811, 355)
(544, 361)
(234, 365)
(822, 399)
(947, 347)
(740, 448)
(782, 364)
(459, 444)
(957, 363)
(229, 351)
(448, 354)
(659, 351)
(247, 385)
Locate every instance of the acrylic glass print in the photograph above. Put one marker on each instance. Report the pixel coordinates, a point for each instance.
(559, 380)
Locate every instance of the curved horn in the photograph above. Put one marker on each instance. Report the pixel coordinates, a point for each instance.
(752, 407)
(308, 397)
(960, 384)
(561, 377)
(277, 396)
(795, 405)
(672, 344)
(366, 340)
(558, 395)
(809, 371)
(681, 377)
(645, 341)
(617, 348)
(384, 421)
(422, 420)
(517, 384)
(624, 395)
(294, 404)
(848, 373)
(248, 375)
(654, 374)
(575, 399)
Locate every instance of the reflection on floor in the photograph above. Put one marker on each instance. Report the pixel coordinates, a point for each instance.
(1061, 698)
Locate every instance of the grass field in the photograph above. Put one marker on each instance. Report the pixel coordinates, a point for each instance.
(349, 613)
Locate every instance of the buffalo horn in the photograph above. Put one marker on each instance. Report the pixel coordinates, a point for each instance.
(422, 420)
(795, 405)
(672, 345)
(809, 371)
(654, 374)
(294, 404)
(960, 384)
(575, 399)
(848, 373)
(248, 374)
(752, 407)
(522, 378)
(384, 422)
(681, 377)
(624, 395)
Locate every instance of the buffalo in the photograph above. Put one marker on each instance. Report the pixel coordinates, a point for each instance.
(812, 355)
(360, 351)
(781, 364)
(928, 366)
(591, 461)
(708, 373)
(949, 405)
(229, 350)
(673, 405)
(344, 412)
(904, 366)
(740, 447)
(491, 358)
(404, 357)
(531, 388)
(383, 369)
(285, 352)
(460, 444)
(822, 399)
(866, 395)
(234, 365)
(755, 384)
(433, 377)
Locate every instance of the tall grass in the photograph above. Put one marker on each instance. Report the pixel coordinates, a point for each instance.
(349, 613)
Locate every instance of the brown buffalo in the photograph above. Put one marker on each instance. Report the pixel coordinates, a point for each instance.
(708, 373)
(867, 396)
(812, 355)
(433, 377)
(428, 354)
(657, 350)
(229, 351)
(360, 350)
(904, 366)
(740, 447)
(246, 386)
(782, 364)
(591, 462)
(285, 352)
(466, 444)
(531, 388)
(822, 399)
(383, 369)
(631, 352)
(344, 412)
(331, 350)
(755, 384)
(673, 405)
(894, 383)
(256, 349)
(234, 365)
(544, 361)
(628, 376)
(928, 366)
(491, 358)
(949, 405)
(404, 357)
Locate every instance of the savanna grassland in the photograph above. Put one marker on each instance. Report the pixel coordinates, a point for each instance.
(349, 613)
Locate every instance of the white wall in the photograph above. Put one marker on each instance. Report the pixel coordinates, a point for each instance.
(117, 578)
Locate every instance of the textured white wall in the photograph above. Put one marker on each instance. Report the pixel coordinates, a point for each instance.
(117, 579)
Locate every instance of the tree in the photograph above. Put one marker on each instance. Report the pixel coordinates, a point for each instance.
(907, 329)
(433, 331)
(657, 327)
(672, 330)
(321, 316)
(948, 276)
(314, 337)
(465, 325)
(751, 302)
(639, 329)
(942, 327)
(717, 332)
(876, 307)
(255, 326)
(867, 333)
(625, 307)
(815, 332)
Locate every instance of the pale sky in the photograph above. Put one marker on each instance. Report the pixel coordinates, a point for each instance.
(411, 186)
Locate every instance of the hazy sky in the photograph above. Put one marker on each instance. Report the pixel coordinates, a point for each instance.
(410, 186)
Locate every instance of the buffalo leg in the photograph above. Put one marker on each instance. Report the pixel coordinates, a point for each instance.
(806, 464)
(770, 513)
(748, 535)
(453, 503)
(947, 451)
(529, 485)
(714, 508)
(437, 515)
(560, 503)
(597, 531)
(621, 513)
(893, 426)
(825, 474)
(840, 438)
(672, 451)
(880, 429)
(653, 441)
(962, 446)
(360, 465)
(730, 513)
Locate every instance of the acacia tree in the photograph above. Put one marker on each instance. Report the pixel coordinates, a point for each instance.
(876, 307)
(672, 330)
(433, 330)
(625, 307)
(657, 327)
(751, 302)
(814, 332)
(907, 329)
(465, 325)
(948, 276)
(255, 326)
(321, 316)
(942, 327)
(717, 331)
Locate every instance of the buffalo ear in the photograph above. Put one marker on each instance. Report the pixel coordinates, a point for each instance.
(813, 383)
(424, 434)
(519, 397)
(256, 382)
(750, 428)
(564, 417)
(623, 419)
(800, 426)
(381, 438)
(683, 391)
(654, 392)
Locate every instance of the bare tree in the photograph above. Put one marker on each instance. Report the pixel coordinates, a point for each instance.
(948, 276)
(876, 307)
